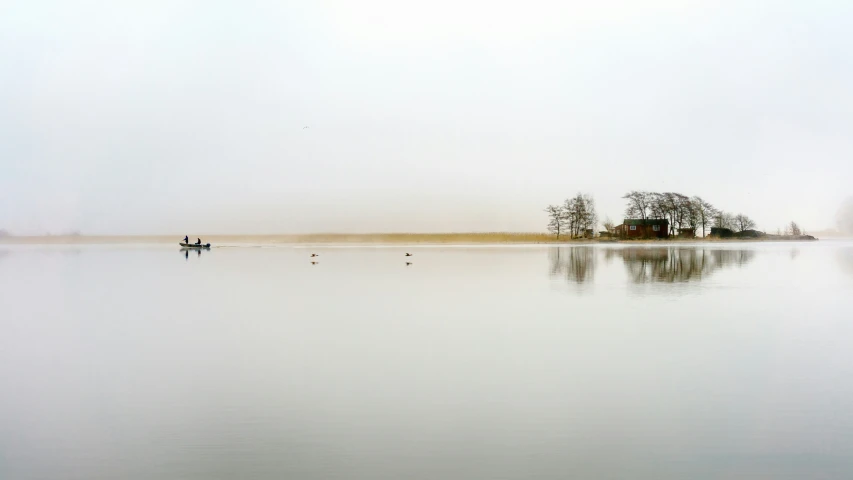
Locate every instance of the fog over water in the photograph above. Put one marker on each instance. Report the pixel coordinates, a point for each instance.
(642, 362)
(166, 117)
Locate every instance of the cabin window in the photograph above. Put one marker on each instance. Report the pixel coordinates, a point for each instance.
(633, 227)
(656, 228)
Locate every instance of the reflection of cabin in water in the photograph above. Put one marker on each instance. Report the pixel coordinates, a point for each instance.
(643, 228)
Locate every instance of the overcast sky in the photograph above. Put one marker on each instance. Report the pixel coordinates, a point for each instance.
(176, 116)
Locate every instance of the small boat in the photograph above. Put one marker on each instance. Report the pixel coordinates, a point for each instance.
(195, 245)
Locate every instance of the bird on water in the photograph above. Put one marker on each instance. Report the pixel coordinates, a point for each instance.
(408, 254)
(314, 255)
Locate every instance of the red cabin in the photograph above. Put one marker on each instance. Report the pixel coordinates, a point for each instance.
(643, 228)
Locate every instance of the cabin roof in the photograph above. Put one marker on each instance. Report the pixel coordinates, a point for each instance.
(647, 221)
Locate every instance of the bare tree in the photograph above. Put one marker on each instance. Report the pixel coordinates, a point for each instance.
(555, 219)
(743, 222)
(795, 229)
(579, 214)
(638, 204)
(657, 205)
(671, 206)
(724, 220)
(608, 224)
(682, 211)
(670, 209)
(590, 218)
(569, 216)
(703, 211)
(693, 216)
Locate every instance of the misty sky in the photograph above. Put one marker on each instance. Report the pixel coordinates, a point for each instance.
(180, 117)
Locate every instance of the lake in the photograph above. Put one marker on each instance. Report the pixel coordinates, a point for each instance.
(707, 361)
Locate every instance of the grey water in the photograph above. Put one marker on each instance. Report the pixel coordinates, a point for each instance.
(707, 361)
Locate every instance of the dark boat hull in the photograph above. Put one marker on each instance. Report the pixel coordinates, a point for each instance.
(195, 245)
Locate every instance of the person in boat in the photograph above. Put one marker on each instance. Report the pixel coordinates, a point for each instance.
(198, 241)
(186, 239)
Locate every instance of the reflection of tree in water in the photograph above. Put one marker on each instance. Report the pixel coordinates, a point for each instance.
(669, 265)
(649, 265)
(576, 264)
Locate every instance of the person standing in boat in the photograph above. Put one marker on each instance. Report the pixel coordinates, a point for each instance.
(186, 239)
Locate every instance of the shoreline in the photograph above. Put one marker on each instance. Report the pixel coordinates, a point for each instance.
(374, 239)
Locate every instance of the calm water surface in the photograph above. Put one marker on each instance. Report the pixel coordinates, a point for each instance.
(589, 362)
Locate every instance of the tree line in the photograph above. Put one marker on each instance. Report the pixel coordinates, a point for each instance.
(683, 212)
(577, 215)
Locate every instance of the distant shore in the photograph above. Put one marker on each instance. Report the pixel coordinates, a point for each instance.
(366, 238)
